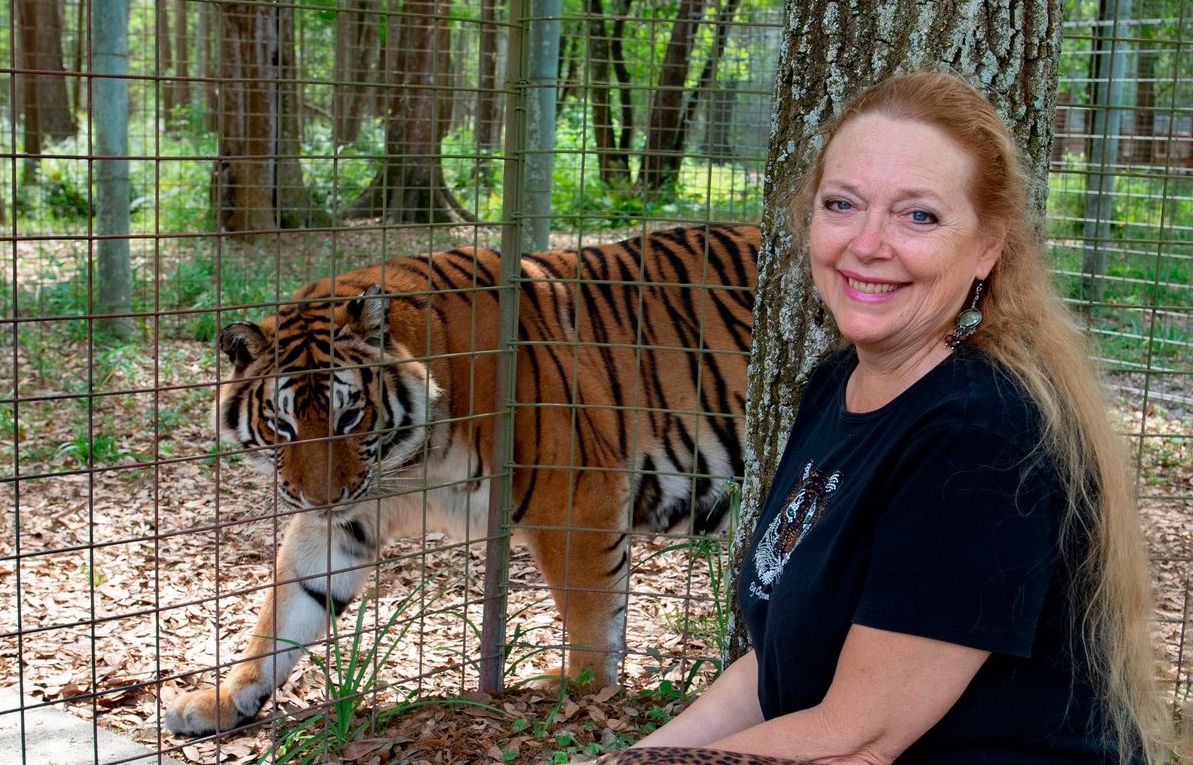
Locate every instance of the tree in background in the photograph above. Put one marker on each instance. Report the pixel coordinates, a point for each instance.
(176, 93)
(257, 182)
(205, 66)
(1109, 98)
(355, 48)
(664, 135)
(487, 130)
(113, 271)
(607, 59)
(42, 98)
(830, 51)
(613, 77)
(410, 186)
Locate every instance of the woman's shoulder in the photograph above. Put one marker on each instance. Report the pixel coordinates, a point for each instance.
(975, 389)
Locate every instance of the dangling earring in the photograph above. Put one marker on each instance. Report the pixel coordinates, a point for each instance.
(968, 320)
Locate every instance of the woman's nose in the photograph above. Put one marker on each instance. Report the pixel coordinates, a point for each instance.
(870, 241)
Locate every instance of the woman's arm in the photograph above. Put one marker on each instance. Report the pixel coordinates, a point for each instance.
(727, 706)
(888, 690)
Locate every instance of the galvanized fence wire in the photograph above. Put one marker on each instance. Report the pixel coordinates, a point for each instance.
(1119, 216)
(136, 552)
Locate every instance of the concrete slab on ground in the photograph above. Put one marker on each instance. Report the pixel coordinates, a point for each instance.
(54, 737)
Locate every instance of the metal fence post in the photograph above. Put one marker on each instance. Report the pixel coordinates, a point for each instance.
(500, 487)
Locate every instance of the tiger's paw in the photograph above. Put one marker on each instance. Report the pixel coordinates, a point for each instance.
(194, 713)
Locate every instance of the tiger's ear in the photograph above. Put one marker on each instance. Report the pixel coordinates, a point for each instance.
(370, 314)
(242, 342)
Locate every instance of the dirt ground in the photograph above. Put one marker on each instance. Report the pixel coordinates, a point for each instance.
(123, 586)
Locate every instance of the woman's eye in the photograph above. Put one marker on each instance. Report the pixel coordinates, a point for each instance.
(922, 216)
(838, 205)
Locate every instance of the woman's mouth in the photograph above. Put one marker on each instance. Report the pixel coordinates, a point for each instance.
(870, 288)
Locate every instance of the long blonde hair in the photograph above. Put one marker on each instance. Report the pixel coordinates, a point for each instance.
(1031, 333)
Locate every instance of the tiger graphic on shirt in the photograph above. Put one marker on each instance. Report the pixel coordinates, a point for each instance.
(802, 508)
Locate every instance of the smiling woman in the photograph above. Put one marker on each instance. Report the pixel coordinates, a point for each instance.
(948, 567)
(896, 246)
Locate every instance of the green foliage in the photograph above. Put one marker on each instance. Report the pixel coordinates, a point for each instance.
(62, 196)
(1149, 263)
(87, 448)
(351, 676)
(336, 176)
(194, 287)
(92, 575)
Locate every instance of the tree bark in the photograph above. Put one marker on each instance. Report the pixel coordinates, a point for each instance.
(165, 61)
(356, 36)
(1144, 151)
(1109, 98)
(488, 124)
(722, 108)
(206, 67)
(42, 93)
(109, 56)
(625, 82)
(79, 84)
(664, 135)
(410, 187)
(541, 100)
(257, 181)
(613, 161)
(179, 88)
(831, 50)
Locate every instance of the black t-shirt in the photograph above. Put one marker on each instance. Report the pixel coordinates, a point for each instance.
(936, 515)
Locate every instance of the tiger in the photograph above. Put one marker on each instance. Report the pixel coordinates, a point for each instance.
(631, 355)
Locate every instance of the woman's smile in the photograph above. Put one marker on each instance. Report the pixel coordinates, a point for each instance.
(868, 290)
(895, 241)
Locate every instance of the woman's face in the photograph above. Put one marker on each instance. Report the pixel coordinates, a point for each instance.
(895, 240)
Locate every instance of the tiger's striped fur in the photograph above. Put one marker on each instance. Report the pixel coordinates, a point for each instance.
(631, 367)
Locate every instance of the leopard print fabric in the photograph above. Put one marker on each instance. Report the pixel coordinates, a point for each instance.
(669, 755)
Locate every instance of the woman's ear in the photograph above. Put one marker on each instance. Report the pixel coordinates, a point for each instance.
(995, 241)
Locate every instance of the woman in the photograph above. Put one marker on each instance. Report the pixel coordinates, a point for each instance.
(948, 568)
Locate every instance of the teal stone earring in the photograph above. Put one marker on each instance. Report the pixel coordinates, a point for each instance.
(968, 320)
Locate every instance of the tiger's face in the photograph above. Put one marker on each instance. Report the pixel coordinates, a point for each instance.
(321, 394)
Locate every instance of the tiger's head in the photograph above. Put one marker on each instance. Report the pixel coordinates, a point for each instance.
(324, 395)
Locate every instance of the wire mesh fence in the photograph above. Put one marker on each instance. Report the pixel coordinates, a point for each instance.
(270, 146)
(1119, 217)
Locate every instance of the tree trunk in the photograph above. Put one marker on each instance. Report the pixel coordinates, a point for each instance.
(488, 124)
(179, 88)
(165, 61)
(625, 83)
(543, 42)
(613, 159)
(80, 85)
(43, 97)
(721, 111)
(1108, 100)
(257, 182)
(664, 135)
(1145, 108)
(109, 56)
(568, 65)
(356, 35)
(831, 50)
(205, 68)
(410, 187)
